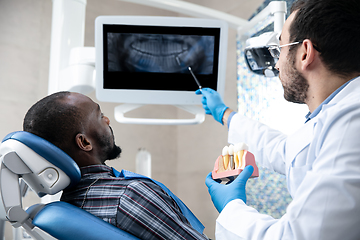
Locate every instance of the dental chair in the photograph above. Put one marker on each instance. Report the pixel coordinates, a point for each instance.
(28, 160)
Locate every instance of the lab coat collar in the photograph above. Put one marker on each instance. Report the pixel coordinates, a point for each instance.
(333, 98)
(353, 86)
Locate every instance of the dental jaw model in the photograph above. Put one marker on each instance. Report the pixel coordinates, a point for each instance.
(233, 160)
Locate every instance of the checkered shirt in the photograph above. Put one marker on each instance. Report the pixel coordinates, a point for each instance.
(138, 206)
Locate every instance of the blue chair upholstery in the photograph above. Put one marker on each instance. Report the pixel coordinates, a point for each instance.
(65, 221)
(22, 155)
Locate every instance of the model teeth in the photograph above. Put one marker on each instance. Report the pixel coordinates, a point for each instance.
(233, 156)
(241, 146)
(238, 155)
(225, 154)
(233, 161)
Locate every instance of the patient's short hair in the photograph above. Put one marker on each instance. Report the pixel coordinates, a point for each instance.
(54, 120)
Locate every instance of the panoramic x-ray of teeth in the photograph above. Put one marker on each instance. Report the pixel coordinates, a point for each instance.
(163, 53)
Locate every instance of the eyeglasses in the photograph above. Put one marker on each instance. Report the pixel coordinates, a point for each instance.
(275, 49)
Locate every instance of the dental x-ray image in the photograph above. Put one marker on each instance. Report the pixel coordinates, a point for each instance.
(139, 57)
(160, 53)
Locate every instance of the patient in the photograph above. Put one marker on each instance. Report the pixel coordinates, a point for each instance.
(75, 124)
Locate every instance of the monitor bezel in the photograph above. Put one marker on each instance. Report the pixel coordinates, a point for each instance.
(148, 96)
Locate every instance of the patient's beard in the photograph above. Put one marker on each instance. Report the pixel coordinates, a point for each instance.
(110, 149)
(113, 153)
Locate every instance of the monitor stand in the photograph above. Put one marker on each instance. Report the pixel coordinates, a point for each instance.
(127, 107)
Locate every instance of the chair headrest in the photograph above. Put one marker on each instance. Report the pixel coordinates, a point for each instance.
(50, 152)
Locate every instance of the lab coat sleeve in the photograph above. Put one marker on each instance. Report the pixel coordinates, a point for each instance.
(267, 144)
(239, 221)
(326, 205)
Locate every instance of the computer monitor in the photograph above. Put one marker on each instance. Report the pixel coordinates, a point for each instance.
(145, 60)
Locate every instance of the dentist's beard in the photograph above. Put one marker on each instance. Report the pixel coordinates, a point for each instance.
(296, 86)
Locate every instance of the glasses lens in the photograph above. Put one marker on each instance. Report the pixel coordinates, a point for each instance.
(274, 51)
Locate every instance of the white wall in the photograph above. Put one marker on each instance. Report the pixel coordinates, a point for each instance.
(182, 155)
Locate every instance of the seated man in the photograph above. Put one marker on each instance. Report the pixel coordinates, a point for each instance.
(75, 124)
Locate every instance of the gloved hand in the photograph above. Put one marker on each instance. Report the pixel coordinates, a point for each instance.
(212, 103)
(222, 194)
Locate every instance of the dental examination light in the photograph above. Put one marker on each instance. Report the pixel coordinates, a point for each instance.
(257, 56)
(256, 53)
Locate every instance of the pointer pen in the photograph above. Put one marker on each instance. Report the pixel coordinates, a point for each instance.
(189, 68)
(196, 80)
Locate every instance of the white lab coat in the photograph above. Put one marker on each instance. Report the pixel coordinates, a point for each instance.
(321, 162)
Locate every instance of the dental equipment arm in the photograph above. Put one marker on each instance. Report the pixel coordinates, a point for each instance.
(191, 9)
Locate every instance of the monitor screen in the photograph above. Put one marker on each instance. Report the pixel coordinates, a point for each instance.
(152, 55)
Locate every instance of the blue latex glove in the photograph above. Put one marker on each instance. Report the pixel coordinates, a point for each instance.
(212, 103)
(222, 194)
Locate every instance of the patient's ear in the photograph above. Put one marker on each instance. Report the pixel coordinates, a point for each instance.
(83, 142)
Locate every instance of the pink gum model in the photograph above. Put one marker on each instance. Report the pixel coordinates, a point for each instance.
(226, 175)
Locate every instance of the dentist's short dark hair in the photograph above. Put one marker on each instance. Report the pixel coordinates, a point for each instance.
(334, 28)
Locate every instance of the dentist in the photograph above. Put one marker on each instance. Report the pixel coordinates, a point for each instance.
(319, 66)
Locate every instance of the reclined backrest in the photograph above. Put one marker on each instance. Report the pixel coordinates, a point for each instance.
(47, 170)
